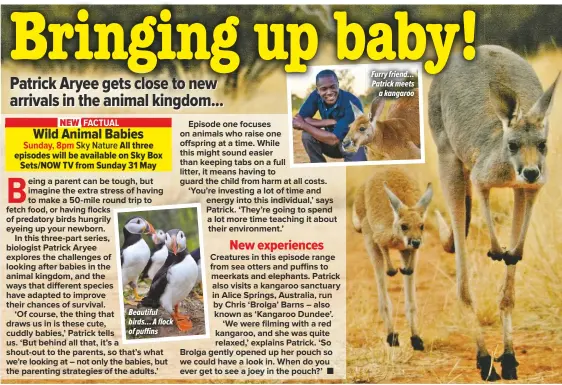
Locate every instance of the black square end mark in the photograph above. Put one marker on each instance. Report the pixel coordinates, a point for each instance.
(330, 370)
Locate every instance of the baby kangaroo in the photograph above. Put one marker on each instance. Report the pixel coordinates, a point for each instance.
(396, 137)
(389, 210)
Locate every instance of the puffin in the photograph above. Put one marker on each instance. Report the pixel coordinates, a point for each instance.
(135, 252)
(158, 255)
(196, 254)
(174, 281)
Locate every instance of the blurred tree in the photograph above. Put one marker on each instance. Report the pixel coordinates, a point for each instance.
(346, 79)
(296, 102)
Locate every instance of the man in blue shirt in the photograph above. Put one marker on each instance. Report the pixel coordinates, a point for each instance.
(323, 136)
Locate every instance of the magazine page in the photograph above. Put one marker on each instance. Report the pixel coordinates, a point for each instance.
(280, 193)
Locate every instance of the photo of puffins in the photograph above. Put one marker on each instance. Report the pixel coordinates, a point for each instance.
(161, 272)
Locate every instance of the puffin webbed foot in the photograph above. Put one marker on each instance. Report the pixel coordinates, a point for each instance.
(183, 322)
(138, 298)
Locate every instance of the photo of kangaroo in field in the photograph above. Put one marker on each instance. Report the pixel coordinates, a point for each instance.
(389, 210)
(492, 121)
(395, 138)
(489, 120)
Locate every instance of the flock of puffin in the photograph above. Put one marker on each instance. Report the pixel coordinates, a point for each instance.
(173, 270)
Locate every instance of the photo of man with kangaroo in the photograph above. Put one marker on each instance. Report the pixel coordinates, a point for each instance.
(322, 137)
(348, 115)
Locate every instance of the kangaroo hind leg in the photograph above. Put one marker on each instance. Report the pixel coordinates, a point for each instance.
(453, 182)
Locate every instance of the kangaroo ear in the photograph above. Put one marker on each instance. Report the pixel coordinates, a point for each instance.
(356, 111)
(425, 200)
(505, 102)
(376, 108)
(541, 108)
(395, 202)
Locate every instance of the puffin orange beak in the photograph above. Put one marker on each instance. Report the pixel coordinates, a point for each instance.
(174, 246)
(150, 228)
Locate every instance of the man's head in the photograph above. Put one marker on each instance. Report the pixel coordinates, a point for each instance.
(328, 86)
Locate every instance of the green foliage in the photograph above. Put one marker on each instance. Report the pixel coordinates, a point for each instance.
(184, 219)
(346, 79)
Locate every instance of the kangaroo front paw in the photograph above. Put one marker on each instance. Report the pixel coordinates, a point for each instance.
(511, 259)
(407, 271)
(496, 256)
(417, 343)
(509, 366)
(392, 339)
(391, 272)
(487, 370)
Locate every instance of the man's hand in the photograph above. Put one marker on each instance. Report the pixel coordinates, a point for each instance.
(298, 122)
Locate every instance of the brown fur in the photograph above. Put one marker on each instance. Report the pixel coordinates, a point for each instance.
(372, 203)
(389, 210)
(470, 103)
(396, 137)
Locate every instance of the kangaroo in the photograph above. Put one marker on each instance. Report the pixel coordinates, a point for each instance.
(387, 212)
(397, 137)
(489, 120)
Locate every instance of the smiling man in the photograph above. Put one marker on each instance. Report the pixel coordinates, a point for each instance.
(323, 136)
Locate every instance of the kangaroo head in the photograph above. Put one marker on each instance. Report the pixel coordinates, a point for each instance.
(362, 130)
(524, 132)
(409, 221)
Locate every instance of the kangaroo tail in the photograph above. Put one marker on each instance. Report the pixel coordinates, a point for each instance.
(445, 234)
(355, 219)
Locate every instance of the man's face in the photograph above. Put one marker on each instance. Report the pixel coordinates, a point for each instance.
(328, 89)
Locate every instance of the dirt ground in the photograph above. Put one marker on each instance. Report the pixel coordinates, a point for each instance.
(299, 154)
(449, 355)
